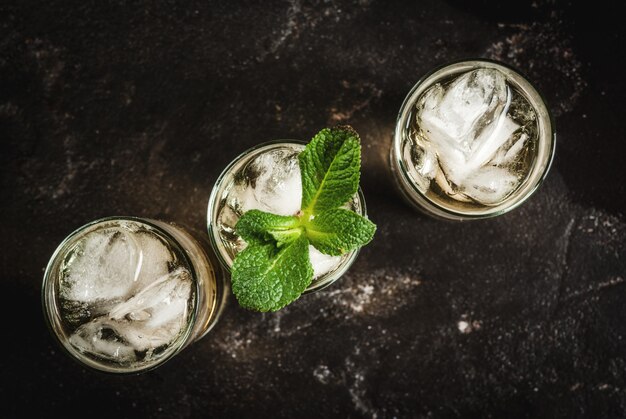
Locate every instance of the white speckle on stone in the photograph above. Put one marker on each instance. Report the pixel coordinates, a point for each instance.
(322, 374)
(466, 326)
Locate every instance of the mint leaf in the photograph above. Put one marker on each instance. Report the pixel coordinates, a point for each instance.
(338, 231)
(263, 227)
(265, 278)
(330, 168)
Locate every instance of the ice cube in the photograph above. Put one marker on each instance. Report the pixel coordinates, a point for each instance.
(490, 184)
(162, 301)
(154, 261)
(100, 338)
(508, 155)
(492, 140)
(322, 264)
(102, 267)
(271, 183)
(120, 341)
(424, 165)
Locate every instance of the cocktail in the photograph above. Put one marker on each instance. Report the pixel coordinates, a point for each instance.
(473, 139)
(267, 177)
(125, 294)
(292, 214)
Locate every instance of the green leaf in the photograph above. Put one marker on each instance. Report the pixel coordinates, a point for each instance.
(338, 231)
(262, 227)
(330, 168)
(265, 278)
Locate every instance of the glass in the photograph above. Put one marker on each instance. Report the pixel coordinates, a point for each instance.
(267, 177)
(126, 294)
(473, 139)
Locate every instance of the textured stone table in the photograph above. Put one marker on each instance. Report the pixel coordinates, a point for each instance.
(131, 108)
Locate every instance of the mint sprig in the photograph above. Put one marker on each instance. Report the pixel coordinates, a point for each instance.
(274, 269)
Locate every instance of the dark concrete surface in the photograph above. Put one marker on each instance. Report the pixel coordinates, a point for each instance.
(133, 108)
